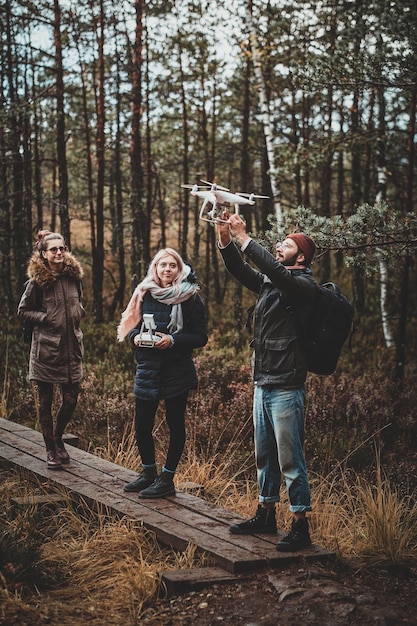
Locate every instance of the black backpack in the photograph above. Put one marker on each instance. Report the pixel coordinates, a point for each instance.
(327, 329)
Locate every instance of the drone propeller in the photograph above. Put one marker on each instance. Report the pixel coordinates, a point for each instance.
(194, 186)
(214, 185)
(249, 195)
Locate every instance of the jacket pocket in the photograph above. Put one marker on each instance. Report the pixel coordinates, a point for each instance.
(279, 355)
(79, 346)
(49, 348)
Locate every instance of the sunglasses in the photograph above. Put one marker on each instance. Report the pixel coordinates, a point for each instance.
(55, 249)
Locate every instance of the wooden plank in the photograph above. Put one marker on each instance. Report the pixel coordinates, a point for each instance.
(184, 580)
(13, 427)
(175, 532)
(178, 520)
(46, 503)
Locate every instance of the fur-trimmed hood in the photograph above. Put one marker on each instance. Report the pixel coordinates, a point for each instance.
(42, 275)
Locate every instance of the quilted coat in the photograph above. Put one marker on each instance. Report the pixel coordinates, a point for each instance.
(168, 373)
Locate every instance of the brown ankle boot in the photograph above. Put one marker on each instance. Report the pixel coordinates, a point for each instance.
(61, 452)
(52, 460)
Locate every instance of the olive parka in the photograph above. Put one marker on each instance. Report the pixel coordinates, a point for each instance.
(56, 352)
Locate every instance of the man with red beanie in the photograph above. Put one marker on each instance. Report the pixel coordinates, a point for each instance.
(281, 283)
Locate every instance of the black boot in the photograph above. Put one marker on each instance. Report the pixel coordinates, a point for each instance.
(145, 479)
(264, 522)
(297, 539)
(161, 486)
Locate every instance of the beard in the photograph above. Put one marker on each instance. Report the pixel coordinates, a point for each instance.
(291, 261)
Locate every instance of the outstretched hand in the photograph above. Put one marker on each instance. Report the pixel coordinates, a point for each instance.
(231, 225)
(237, 227)
(222, 227)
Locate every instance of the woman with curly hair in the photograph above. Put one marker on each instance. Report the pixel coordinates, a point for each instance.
(51, 302)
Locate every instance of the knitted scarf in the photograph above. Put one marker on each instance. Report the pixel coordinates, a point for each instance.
(173, 295)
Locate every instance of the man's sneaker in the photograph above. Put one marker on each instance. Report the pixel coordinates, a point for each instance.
(145, 479)
(162, 486)
(264, 522)
(297, 539)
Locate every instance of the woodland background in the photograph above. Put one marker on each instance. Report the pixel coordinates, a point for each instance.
(107, 109)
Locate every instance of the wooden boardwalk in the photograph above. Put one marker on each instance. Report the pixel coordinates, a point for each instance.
(177, 521)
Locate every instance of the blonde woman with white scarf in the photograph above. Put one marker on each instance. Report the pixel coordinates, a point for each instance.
(165, 371)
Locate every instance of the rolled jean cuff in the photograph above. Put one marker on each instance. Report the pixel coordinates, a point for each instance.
(269, 499)
(300, 508)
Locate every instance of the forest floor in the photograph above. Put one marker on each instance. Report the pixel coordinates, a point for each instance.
(322, 594)
(312, 593)
(319, 594)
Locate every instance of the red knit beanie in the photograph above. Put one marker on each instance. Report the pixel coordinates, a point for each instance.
(305, 244)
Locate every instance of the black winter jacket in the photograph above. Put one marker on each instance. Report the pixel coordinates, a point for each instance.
(168, 373)
(278, 357)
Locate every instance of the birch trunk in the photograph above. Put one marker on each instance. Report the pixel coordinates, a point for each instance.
(383, 273)
(380, 197)
(266, 117)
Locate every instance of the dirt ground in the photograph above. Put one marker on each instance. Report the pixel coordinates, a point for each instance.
(314, 594)
(319, 594)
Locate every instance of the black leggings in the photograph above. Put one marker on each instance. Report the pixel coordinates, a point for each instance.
(144, 423)
(45, 392)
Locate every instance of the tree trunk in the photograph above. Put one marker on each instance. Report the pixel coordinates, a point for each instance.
(5, 221)
(358, 277)
(266, 117)
(185, 162)
(60, 130)
(140, 251)
(403, 300)
(37, 165)
(380, 197)
(98, 256)
(149, 167)
(244, 179)
(26, 225)
(21, 246)
(117, 213)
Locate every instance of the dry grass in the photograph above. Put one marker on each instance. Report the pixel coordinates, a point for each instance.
(358, 519)
(124, 452)
(368, 523)
(111, 566)
(115, 567)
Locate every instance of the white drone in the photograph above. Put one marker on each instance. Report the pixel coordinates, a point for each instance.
(218, 196)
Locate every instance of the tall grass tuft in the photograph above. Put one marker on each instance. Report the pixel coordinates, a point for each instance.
(363, 520)
(381, 524)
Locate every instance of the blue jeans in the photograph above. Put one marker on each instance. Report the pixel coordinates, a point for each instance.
(278, 418)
